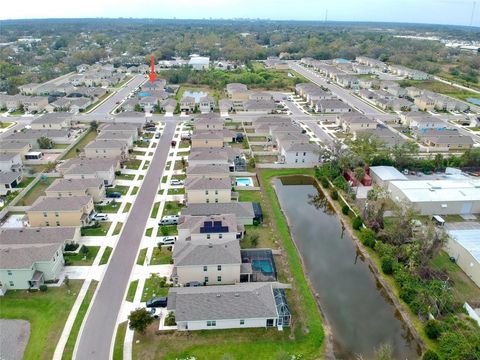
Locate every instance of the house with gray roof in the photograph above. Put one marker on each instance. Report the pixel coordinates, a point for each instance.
(208, 170)
(206, 261)
(11, 161)
(259, 106)
(212, 228)
(77, 187)
(244, 212)
(9, 181)
(57, 121)
(30, 135)
(246, 305)
(31, 256)
(124, 136)
(88, 168)
(209, 121)
(208, 189)
(104, 148)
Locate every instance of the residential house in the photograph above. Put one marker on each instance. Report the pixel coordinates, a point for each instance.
(448, 139)
(187, 104)
(293, 152)
(207, 189)
(106, 149)
(210, 121)
(257, 96)
(425, 103)
(122, 136)
(9, 181)
(207, 104)
(77, 187)
(61, 211)
(21, 147)
(208, 170)
(245, 212)
(209, 228)
(55, 121)
(199, 62)
(207, 139)
(31, 136)
(259, 106)
(31, 256)
(11, 161)
(119, 127)
(90, 168)
(168, 106)
(332, 106)
(209, 262)
(355, 121)
(247, 305)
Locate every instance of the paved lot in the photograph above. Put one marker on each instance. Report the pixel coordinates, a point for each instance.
(14, 336)
(96, 337)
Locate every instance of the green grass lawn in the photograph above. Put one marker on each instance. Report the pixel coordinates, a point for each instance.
(111, 208)
(72, 338)
(125, 177)
(463, 288)
(80, 145)
(170, 230)
(141, 144)
(127, 207)
(150, 290)
(146, 165)
(78, 259)
(119, 340)
(47, 313)
(172, 208)
(5, 124)
(141, 177)
(440, 87)
(138, 153)
(35, 192)
(99, 231)
(184, 144)
(303, 339)
(132, 289)
(149, 231)
(25, 182)
(154, 212)
(164, 179)
(161, 256)
(134, 190)
(179, 191)
(60, 146)
(106, 255)
(250, 196)
(179, 165)
(132, 164)
(122, 189)
(118, 228)
(141, 256)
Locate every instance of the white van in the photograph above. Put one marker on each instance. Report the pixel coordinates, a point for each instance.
(169, 220)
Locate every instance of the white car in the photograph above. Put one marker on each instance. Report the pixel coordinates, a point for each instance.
(167, 240)
(100, 217)
(104, 202)
(176, 182)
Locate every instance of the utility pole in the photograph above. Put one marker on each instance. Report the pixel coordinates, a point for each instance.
(326, 15)
(473, 13)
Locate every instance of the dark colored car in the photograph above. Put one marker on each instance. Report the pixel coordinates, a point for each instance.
(193, 284)
(173, 143)
(157, 302)
(114, 194)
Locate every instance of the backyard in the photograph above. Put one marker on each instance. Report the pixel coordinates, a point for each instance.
(79, 146)
(35, 192)
(47, 313)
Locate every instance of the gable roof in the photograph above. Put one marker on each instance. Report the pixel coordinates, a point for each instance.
(206, 252)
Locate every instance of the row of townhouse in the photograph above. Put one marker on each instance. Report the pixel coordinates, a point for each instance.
(444, 139)
(29, 103)
(208, 252)
(189, 104)
(429, 101)
(241, 99)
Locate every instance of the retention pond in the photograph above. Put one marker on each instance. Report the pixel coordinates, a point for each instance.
(360, 315)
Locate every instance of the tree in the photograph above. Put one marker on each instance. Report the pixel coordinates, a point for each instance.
(366, 146)
(430, 355)
(138, 108)
(359, 173)
(404, 153)
(45, 143)
(357, 223)
(93, 125)
(387, 265)
(139, 320)
(433, 329)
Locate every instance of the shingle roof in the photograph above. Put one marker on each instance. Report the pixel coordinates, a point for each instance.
(74, 184)
(70, 203)
(206, 252)
(24, 257)
(8, 177)
(40, 235)
(241, 301)
(106, 144)
(208, 169)
(196, 223)
(240, 209)
(207, 134)
(52, 118)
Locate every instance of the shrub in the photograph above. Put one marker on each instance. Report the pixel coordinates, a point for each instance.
(430, 355)
(71, 247)
(43, 288)
(334, 194)
(368, 238)
(407, 294)
(345, 209)
(340, 182)
(357, 223)
(433, 329)
(387, 265)
(324, 182)
(170, 319)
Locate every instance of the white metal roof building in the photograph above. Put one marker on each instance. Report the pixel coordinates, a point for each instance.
(464, 246)
(381, 175)
(441, 197)
(199, 62)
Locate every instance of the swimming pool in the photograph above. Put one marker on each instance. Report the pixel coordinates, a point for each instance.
(244, 181)
(264, 265)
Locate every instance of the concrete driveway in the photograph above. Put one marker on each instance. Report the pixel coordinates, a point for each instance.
(96, 337)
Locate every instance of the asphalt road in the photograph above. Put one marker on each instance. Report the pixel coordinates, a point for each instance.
(96, 337)
(340, 92)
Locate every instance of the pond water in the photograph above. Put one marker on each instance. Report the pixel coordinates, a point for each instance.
(475, 101)
(195, 94)
(361, 317)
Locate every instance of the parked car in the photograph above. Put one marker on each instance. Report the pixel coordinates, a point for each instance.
(157, 136)
(151, 129)
(154, 312)
(104, 202)
(169, 220)
(167, 240)
(176, 182)
(173, 143)
(157, 302)
(193, 284)
(114, 195)
(100, 217)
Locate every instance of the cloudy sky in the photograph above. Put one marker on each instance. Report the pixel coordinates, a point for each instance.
(456, 12)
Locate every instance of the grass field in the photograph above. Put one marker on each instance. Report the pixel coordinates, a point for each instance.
(141, 256)
(122, 189)
(172, 208)
(102, 230)
(90, 136)
(72, 338)
(35, 192)
(106, 255)
(170, 230)
(304, 339)
(150, 290)
(154, 211)
(111, 208)
(440, 87)
(132, 288)
(78, 259)
(119, 340)
(161, 256)
(134, 190)
(47, 313)
(127, 207)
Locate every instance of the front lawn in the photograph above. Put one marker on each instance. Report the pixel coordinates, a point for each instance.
(177, 191)
(111, 208)
(82, 259)
(154, 286)
(127, 207)
(72, 338)
(80, 145)
(167, 230)
(47, 313)
(172, 208)
(101, 230)
(132, 164)
(125, 177)
(122, 189)
(134, 190)
(161, 256)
